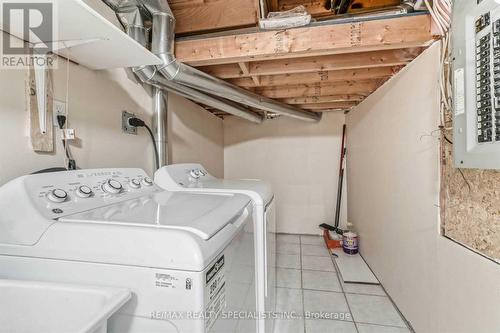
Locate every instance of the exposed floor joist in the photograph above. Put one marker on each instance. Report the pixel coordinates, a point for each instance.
(393, 33)
(320, 67)
(314, 77)
(314, 64)
(305, 90)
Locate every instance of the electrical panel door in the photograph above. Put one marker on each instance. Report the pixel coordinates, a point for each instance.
(476, 83)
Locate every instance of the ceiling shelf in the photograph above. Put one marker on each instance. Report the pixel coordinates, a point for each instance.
(88, 38)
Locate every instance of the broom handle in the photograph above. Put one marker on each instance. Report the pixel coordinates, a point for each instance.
(341, 177)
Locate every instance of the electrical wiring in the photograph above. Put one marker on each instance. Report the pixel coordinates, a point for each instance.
(157, 157)
(136, 122)
(69, 161)
(440, 11)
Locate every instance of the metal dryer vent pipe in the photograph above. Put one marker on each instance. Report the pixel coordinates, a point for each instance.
(149, 75)
(163, 40)
(131, 15)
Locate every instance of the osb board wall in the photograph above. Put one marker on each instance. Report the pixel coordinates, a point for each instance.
(471, 206)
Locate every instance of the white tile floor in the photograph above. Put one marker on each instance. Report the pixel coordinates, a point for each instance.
(308, 284)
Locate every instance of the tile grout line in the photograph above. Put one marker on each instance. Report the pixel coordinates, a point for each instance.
(380, 325)
(336, 271)
(302, 286)
(406, 322)
(342, 288)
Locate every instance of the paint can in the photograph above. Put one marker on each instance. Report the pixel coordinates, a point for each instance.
(350, 243)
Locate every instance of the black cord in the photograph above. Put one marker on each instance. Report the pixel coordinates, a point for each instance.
(448, 140)
(136, 122)
(157, 157)
(61, 120)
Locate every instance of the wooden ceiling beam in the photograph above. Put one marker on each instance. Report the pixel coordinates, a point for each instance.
(323, 99)
(254, 78)
(316, 64)
(202, 15)
(383, 34)
(317, 77)
(304, 90)
(327, 106)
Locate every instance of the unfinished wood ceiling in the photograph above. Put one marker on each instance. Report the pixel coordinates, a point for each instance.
(322, 67)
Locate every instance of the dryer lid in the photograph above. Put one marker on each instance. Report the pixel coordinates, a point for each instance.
(195, 178)
(199, 213)
(255, 188)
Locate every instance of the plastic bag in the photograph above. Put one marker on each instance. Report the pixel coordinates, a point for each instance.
(296, 17)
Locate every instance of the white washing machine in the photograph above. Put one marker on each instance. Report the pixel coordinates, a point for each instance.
(196, 179)
(187, 258)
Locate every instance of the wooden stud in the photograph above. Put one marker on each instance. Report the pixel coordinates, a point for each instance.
(323, 99)
(327, 106)
(255, 79)
(384, 34)
(317, 64)
(318, 77)
(40, 142)
(348, 87)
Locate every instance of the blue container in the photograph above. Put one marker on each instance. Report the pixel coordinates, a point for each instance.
(350, 243)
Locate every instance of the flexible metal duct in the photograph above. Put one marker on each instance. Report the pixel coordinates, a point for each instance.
(163, 46)
(131, 15)
(163, 41)
(148, 74)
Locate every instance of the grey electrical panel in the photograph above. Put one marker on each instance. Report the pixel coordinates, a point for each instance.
(476, 83)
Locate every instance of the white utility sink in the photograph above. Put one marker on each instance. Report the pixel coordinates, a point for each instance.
(33, 307)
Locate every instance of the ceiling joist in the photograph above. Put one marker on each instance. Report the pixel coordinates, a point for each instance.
(305, 90)
(315, 77)
(361, 36)
(317, 64)
(321, 67)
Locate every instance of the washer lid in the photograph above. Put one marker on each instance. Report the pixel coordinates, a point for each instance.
(202, 214)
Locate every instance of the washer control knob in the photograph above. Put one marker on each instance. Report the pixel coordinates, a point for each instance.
(135, 183)
(194, 174)
(84, 191)
(112, 186)
(147, 181)
(57, 195)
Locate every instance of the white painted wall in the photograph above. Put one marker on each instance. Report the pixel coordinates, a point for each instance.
(96, 100)
(95, 103)
(299, 159)
(195, 136)
(393, 202)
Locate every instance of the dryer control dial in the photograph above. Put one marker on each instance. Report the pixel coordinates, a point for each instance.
(112, 186)
(195, 174)
(57, 195)
(147, 181)
(135, 183)
(84, 191)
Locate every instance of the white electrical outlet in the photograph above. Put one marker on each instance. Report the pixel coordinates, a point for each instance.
(68, 134)
(59, 110)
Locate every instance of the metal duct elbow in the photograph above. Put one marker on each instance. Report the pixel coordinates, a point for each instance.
(130, 16)
(133, 14)
(155, 7)
(163, 44)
